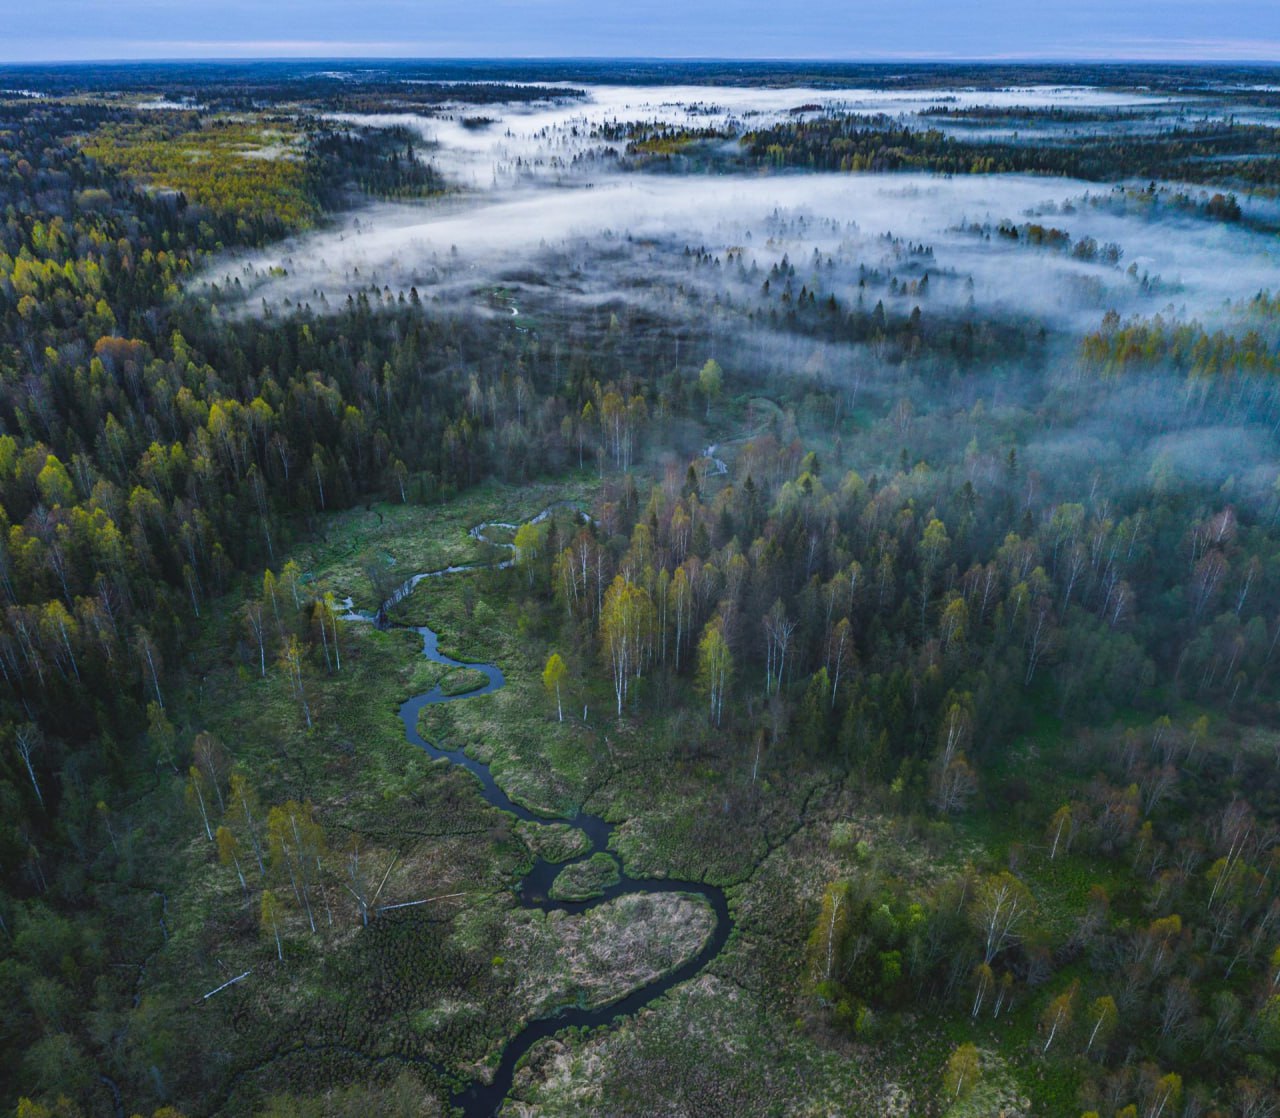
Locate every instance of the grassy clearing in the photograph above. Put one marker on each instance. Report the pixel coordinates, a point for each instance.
(599, 956)
(707, 1047)
(417, 539)
(548, 765)
(742, 1037)
(460, 681)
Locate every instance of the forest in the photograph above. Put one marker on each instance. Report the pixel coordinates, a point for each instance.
(845, 545)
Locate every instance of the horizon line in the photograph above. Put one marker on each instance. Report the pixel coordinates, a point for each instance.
(919, 59)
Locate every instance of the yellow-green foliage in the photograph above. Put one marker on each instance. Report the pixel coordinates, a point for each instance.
(62, 266)
(1247, 345)
(250, 169)
(963, 1070)
(664, 145)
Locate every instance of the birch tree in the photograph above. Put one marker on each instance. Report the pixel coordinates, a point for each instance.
(953, 781)
(626, 625)
(197, 798)
(530, 541)
(255, 624)
(150, 657)
(270, 914)
(715, 667)
(828, 933)
(1166, 1095)
(209, 755)
(1056, 1018)
(839, 654)
(552, 675)
(291, 580)
(933, 549)
(1103, 1017)
(229, 853)
(710, 382)
(59, 629)
(1060, 832)
(272, 598)
(682, 603)
(330, 613)
(291, 661)
(244, 811)
(954, 787)
(1001, 908)
(27, 740)
(296, 845)
(778, 631)
(1040, 637)
(320, 620)
(983, 980)
(964, 1069)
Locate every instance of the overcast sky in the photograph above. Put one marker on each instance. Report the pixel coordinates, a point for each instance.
(35, 30)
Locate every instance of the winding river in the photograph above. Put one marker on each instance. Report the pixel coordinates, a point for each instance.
(481, 1100)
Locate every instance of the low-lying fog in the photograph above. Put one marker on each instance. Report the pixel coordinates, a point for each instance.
(554, 231)
(1192, 265)
(522, 192)
(543, 131)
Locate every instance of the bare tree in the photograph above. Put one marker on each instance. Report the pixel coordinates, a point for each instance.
(210, 757)
(839, 650)
(150, 657)
(358, 873)
(256, 625)
(778, 631)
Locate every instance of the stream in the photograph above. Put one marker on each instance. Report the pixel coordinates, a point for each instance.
(481, 1100)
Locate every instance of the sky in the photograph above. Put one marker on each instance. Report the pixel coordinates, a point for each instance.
(1209, 30)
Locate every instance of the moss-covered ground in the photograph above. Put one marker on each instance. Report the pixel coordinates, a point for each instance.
(584, 880)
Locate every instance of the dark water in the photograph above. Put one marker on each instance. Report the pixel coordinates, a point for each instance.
(479, 1100)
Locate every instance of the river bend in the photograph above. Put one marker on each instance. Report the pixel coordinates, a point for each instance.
(481, 1100)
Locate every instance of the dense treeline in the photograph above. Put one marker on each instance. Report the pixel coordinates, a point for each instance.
(987, 589)
(885, 308)
(225, 168)
(1228, 153)
(1237, 80)
(1154, 202)
(377, 162)
(1202, 153)
(1248, 347)
(251, 87)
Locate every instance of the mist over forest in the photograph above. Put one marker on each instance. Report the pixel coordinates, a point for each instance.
(552, 205)
(577, 588)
